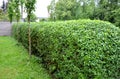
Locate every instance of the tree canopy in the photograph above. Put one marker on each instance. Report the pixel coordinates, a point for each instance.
(107, 10)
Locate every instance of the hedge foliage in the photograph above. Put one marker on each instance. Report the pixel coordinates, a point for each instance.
(77, 49)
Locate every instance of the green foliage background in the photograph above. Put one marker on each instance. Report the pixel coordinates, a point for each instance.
(3, 16)
(107, 10)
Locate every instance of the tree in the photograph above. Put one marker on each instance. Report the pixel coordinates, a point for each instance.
(86, 8)
(33, 18)
(69, 9)
(51, 10)
(14, 10)
(22, 2)
(17, 10)
(66, 9)
(107, 10)
(11, 10)
(116, 15)
(30, 7)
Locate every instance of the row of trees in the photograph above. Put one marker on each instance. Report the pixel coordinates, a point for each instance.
(16, 8)
(108, 10)
(14, 11)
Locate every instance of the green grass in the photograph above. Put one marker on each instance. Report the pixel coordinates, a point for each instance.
(14, 63)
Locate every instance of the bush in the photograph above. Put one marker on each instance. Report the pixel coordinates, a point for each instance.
(81, 49)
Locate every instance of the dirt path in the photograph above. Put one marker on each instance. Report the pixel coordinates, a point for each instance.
(5, 29)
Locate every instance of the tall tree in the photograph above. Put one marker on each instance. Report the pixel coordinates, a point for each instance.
(69, 9)
(14, 10)
(107, 10)
(22, 2)
(17, 10)
(51, 10)
(11, 10)
(30, 7)
(86, 7)
(66, 9)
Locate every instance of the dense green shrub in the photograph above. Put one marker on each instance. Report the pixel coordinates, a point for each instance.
(81, 49)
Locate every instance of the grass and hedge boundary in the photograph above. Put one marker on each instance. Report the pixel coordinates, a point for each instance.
(77, 49)
(15, 62)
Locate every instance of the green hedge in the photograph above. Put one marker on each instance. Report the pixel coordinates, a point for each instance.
(78, 49)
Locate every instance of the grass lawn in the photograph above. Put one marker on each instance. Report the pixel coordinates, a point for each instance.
(14, 63)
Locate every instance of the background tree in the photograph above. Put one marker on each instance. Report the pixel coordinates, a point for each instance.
(86, 9)
(116, 15)
(11, 10)
(14, 10)
(70, 9)
(51, 10)
(30, 7)
(17, 10)
(33, 18)
(22, 3)
(65, 9)
(107, 10)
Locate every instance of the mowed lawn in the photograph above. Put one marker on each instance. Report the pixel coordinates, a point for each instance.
(15, 63)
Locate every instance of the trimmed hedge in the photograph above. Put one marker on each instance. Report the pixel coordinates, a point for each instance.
(78, 49)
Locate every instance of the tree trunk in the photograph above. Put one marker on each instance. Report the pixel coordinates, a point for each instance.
(22, 13)
(29, 38)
